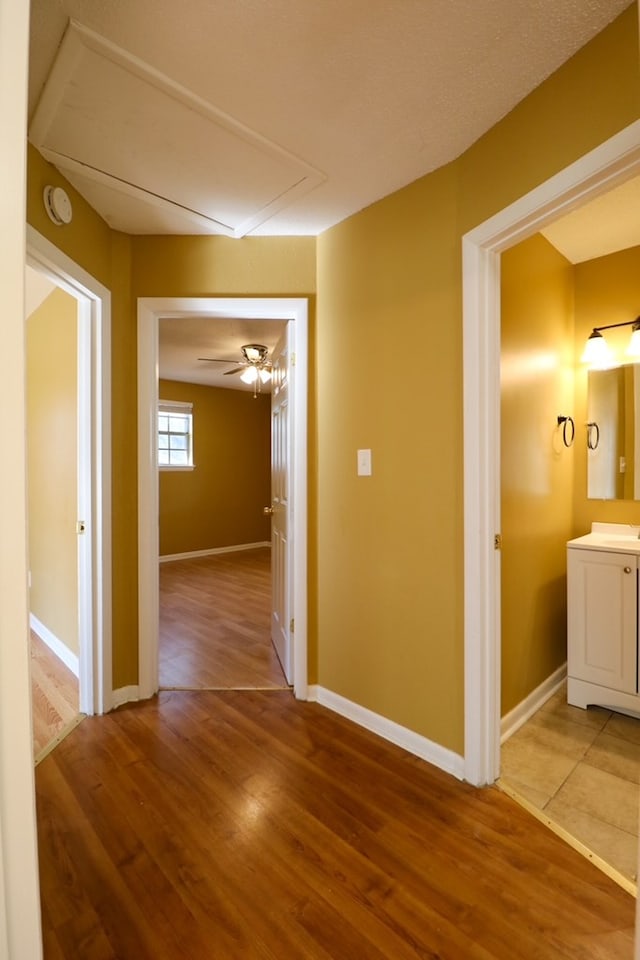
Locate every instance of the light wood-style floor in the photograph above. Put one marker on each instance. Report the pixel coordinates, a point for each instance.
(245, 824)
(54, 696)
(215, 623)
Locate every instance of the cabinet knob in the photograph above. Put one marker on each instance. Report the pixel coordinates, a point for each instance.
(627, 569)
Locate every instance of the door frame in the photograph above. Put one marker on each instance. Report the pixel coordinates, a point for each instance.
(150, 310)
(94, 467)
(607, 166)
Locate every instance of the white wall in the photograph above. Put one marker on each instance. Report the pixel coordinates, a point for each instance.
(20, 936)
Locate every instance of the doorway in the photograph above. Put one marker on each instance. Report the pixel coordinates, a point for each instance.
(610, 164)
(92, 525)
(150, 311)
(214, 491)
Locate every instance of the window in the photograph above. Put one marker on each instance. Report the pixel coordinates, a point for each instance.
(175, 435)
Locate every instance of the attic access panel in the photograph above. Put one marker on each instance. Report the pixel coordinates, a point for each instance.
(120, 130)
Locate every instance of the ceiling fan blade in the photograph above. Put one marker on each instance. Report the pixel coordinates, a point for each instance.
(216, 360)
(237, 370)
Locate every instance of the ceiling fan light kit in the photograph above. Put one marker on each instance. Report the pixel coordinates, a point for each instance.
(254, 369)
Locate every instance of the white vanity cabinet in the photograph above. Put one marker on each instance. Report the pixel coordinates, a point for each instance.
(602, 620)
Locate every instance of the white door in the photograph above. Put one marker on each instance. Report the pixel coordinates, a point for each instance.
(281, 505)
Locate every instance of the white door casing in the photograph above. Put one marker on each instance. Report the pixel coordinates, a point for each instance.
(94, 467)
(611, 163)
(150, 309)
(280, 505)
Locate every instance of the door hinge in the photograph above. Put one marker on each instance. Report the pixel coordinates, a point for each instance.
(497, 541)
(292, 625)
(293, 359)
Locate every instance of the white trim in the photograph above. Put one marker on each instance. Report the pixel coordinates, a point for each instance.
(150, 309)
(608, 165)
(125, 695)
(57, 646)
(410, 741)
(20, 925)
(168, 557)
(517, 717)
(94, 325)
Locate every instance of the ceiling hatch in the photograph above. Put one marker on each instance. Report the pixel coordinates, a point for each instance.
(130, 139)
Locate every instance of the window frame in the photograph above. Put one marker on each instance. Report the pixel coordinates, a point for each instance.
(176, 408)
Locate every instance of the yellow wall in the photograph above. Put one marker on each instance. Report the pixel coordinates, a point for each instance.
(220, 502)
(607, 291)
(155, 266)
(390, 550)
(52, 465)
(537, 385)
(386, 554)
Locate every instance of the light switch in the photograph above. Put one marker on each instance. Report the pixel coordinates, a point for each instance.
(364, 463)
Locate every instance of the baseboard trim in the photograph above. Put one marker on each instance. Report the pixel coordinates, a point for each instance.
(208, 553)
(61, 650)
(513, 720)
(124, 695)
(410, 741)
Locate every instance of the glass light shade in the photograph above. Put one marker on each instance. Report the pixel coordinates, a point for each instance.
(633, 350)
(265, 375)
(250, 375)
(596, 351)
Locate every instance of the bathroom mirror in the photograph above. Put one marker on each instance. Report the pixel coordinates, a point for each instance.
(613, 448)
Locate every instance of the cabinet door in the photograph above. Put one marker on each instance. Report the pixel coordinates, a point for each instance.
(602, 617)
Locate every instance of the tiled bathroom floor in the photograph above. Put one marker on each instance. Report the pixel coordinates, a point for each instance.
(582, 768)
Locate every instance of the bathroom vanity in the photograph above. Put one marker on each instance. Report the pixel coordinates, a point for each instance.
(602, 618)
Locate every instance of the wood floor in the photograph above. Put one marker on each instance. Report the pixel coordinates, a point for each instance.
(215, 622)
(222, 825)
(54, 696)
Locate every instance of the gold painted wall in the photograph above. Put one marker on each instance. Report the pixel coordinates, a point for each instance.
(390, 548)
(385, 554)
(537, 385)
(52, 465)
(607, 291)
(220, 502)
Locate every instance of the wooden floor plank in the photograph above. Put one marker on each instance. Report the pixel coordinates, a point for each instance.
(215, 622)
(250, 825)
(54, 695)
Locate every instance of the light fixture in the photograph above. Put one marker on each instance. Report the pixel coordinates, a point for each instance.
(633, 350)
(596, 350)
(250, 375)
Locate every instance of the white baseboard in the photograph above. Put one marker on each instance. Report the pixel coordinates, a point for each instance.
(61, 650)
(513, 720)
(410, 741)
(124, 695)
(208, 553)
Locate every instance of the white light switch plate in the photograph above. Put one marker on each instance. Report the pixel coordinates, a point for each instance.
(364, 463)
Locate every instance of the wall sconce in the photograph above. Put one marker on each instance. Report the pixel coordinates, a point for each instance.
(597, 351)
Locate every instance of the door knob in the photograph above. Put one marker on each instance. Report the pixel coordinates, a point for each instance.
(627, 569)
(267, 511)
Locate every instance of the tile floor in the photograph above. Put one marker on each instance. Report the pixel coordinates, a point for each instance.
(582, 767)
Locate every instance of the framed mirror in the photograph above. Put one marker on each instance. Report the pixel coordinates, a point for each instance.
(613, 447)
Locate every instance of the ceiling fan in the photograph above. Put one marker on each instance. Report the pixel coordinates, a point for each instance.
(254, 369)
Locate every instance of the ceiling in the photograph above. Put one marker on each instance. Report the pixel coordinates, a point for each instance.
(245, 117)
(183, 340)
(242, 117)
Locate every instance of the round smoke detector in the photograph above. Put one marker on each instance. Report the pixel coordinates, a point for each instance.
(57, 205)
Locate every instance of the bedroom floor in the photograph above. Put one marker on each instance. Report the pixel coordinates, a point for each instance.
(582, 768)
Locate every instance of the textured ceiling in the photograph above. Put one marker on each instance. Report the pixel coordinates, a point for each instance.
(183, 341)
(280, 117)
